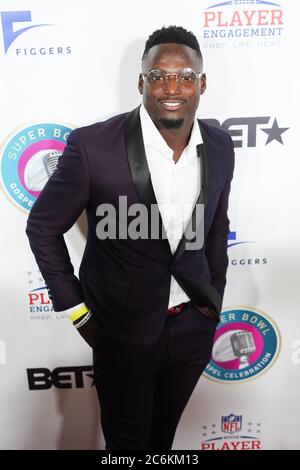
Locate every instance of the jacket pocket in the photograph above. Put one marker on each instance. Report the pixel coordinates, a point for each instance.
(109, 285)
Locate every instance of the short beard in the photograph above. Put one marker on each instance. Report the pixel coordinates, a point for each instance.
(172, 123)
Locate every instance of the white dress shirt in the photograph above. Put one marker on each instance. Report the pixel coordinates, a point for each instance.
(176, 186)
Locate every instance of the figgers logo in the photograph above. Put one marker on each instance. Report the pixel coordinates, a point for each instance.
(10, 33)
(243, 23)
(232, 433)
(233, 241)
(246, 343)
(29, 157)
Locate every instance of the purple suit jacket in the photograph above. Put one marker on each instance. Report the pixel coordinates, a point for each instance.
(126, 282)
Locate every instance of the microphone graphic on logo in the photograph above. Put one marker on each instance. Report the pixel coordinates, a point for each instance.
(39, 169)
(234, 344)
(51, 160)
(243, 345)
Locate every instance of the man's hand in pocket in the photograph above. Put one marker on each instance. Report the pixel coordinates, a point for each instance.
(208, 312)
(88, 330)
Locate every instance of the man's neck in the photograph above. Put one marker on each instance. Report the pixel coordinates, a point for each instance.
(176, 139)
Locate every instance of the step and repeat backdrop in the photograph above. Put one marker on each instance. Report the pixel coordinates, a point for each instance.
(66, 64)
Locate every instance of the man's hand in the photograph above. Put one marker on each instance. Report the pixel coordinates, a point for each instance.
(88, 331)
(208, 312)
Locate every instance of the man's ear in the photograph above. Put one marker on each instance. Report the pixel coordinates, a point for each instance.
(202, 83)
(141, 84)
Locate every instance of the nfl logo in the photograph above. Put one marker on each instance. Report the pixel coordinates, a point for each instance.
(231, 423)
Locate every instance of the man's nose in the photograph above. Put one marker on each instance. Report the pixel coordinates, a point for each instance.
(171, 87)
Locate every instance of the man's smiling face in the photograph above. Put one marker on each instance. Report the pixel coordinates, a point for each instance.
(171, 105)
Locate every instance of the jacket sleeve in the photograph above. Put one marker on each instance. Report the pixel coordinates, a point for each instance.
(217, 238)
(60, 203)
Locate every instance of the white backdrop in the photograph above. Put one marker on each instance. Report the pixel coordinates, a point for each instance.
(54, 78)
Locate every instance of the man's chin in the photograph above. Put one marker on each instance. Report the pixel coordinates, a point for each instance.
(172, 123)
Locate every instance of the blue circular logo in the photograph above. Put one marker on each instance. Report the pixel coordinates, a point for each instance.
(28, 158)
(246, 343)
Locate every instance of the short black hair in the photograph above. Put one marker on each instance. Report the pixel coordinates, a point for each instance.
(172, 34)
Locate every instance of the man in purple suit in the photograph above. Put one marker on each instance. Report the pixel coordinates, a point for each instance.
(151, 281)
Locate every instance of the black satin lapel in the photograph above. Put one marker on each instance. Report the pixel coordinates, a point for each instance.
(139, 167)
(206, 170)
(137, 158)
(205, 176)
